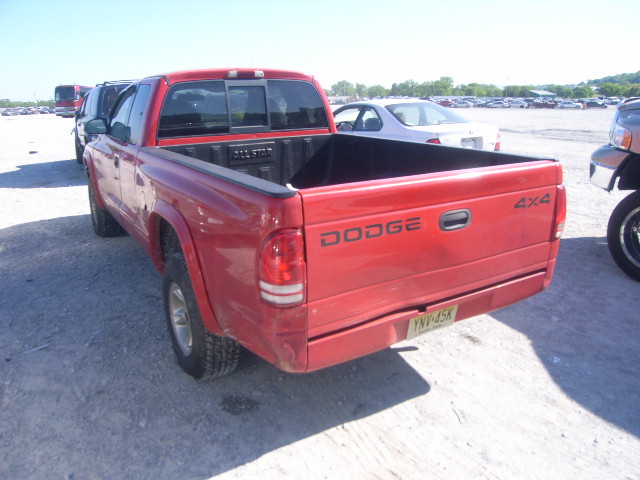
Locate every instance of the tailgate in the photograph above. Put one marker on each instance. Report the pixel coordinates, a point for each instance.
(378, 247)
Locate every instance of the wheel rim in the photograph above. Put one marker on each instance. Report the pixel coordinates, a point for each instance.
(179, 314)
(630, 236)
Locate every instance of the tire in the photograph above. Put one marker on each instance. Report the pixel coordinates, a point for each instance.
(200, 353)
(623, 235)
(79, 152)
(103, 222)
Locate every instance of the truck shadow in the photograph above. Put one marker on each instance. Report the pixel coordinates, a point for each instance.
(85, 351)
(60, 173)
(585, 329)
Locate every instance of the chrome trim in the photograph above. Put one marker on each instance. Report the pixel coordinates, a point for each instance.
(602, 176)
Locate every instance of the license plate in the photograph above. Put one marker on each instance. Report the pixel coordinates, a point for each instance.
(431, 321)
(468, 143)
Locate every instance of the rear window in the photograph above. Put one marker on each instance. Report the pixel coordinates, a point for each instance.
(219, 107)
(424, 113)
(295, 105)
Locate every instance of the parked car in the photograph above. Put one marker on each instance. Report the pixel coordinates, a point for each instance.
(519, 104)
(461, 104)
(543, 104)
(496, 104)
(97, 103)
(595, 104)
(568, 104)
(415, 121)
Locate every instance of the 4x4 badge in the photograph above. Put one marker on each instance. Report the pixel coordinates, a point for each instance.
(528, 202)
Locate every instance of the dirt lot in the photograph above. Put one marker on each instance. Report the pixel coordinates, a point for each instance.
(89, 389)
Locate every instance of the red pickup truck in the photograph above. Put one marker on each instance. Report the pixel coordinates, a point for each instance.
(308, 247)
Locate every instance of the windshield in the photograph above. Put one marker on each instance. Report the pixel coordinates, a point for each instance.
(65, 93)
(421, 114)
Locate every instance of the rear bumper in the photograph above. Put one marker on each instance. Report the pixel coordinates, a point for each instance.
(604, 164)
(65, 111)
(380, 333)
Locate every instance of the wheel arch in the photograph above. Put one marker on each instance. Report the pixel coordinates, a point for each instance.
(629, 173)
(168, 234)
(91, 178)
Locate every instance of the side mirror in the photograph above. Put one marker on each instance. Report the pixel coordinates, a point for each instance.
(97, 126)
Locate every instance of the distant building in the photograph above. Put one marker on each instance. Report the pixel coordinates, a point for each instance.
(341, 100)
(542, 94)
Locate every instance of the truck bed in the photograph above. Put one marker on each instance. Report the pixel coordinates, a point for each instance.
(322, 160)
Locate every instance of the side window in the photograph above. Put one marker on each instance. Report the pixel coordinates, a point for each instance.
(118, 124)
(109, 96)
(346, 119)
(84, 108)
(369, 121)
(91, 100)
(137, 112)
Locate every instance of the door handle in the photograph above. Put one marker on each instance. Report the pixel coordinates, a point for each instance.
(455, 219)
(116, 160)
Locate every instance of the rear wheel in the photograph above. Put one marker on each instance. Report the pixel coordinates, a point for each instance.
(200, 353)
(623, 235)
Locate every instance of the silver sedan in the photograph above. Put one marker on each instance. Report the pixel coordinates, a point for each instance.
(415, 121)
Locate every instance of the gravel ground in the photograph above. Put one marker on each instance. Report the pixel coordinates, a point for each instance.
(89, 389)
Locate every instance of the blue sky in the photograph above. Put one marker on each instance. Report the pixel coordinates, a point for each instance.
(45, 43)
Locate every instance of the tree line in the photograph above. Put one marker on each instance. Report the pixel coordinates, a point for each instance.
(6, 103)
(624, 85)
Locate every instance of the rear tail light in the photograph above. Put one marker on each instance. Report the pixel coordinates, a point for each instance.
(497, 147)
(561, 213)
(434, 140)
(282, 269)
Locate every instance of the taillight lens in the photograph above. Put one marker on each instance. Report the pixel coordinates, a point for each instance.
(498, 146)
(561, 212)
(282, 269)
(620, 137)
(434, 140)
